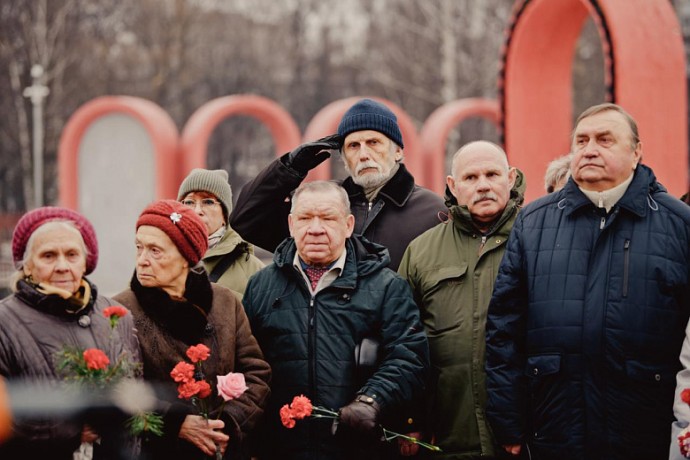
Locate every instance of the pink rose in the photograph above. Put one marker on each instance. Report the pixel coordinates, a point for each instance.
(231, 386)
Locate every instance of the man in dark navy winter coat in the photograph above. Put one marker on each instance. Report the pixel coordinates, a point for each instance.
(325, 292)
(589, 308)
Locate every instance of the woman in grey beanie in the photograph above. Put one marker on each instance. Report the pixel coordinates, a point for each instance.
(230, 261)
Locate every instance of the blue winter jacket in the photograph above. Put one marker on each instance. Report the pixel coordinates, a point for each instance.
(586, 324)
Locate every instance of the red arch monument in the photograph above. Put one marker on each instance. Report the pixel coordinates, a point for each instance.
(644, 65)
(200, 126)
(434, 135)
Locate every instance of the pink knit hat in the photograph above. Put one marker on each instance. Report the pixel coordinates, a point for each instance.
(30, 221)
(182, 226)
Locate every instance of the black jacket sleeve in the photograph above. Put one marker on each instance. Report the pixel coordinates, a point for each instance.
(260, 215)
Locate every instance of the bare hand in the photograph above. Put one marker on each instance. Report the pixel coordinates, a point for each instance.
(202, 433)
(407, 448)
(513, 449)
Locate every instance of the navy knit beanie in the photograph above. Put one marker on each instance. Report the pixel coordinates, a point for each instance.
(367, 114)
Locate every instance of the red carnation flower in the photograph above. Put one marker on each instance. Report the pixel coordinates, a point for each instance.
(114, 311)
(188, 389)
(183, 372)
(198, 353)
(286, 417)
(96, 359)
(685, 396)
(204, 388)
(301, 407)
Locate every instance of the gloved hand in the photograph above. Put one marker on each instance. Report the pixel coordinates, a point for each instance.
(361, 416)
(308, 156)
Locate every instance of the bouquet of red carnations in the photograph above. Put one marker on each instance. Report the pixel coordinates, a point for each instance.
(193, 386)
(92, 368)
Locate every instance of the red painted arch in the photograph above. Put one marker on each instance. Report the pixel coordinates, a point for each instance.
(200, 126)
(158, 124)
(644, 72)
(434, 134)
(326, 122)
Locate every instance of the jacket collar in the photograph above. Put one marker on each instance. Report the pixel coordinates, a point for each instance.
(363, 258)
(397, 190)
(184, 318)
(635, 199)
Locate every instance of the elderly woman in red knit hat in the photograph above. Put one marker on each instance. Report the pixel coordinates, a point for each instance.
(54, 307)
(175, 306)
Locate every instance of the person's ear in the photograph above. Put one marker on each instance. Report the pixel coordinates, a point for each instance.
(512, 177)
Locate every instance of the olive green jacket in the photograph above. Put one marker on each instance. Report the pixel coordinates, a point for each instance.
(245, 265)
(451, 269)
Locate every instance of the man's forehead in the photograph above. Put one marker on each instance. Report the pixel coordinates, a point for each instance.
(322, 202)
(360, 136)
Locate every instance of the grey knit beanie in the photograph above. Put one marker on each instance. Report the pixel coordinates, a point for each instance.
(368, 114)
(212, 181)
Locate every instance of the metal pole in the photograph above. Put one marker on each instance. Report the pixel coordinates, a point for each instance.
(37, 92)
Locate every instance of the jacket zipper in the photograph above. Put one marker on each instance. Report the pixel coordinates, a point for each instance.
(626, 264)
(481, 244)
(311, 348)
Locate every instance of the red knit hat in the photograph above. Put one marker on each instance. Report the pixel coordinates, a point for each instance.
(182, 226)
(30, 221)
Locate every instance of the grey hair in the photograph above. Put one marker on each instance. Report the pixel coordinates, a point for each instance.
(605, 107)
(323, 186)
(28, 252)
(557, 170)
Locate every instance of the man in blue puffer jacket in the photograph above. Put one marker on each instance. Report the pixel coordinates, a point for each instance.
(589, 308)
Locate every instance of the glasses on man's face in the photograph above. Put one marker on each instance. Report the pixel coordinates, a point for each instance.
(205, 203)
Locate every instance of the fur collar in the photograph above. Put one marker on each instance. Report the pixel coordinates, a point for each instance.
(184, 318)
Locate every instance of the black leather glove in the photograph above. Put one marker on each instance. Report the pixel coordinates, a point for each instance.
(308, 156)
(362, 415)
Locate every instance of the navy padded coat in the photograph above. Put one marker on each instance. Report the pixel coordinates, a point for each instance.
(586, 324)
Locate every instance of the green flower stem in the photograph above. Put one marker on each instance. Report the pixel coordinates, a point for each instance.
(220, 411)
(390, 435)
(322, 412)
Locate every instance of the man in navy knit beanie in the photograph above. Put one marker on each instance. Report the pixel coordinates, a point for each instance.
(389, 208)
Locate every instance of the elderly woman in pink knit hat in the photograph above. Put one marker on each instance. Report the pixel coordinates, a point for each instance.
(175, 306)
(54, 307)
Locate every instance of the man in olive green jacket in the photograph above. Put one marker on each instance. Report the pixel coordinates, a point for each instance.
(451, 269)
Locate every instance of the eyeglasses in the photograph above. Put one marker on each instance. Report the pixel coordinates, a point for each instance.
(205, 203)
